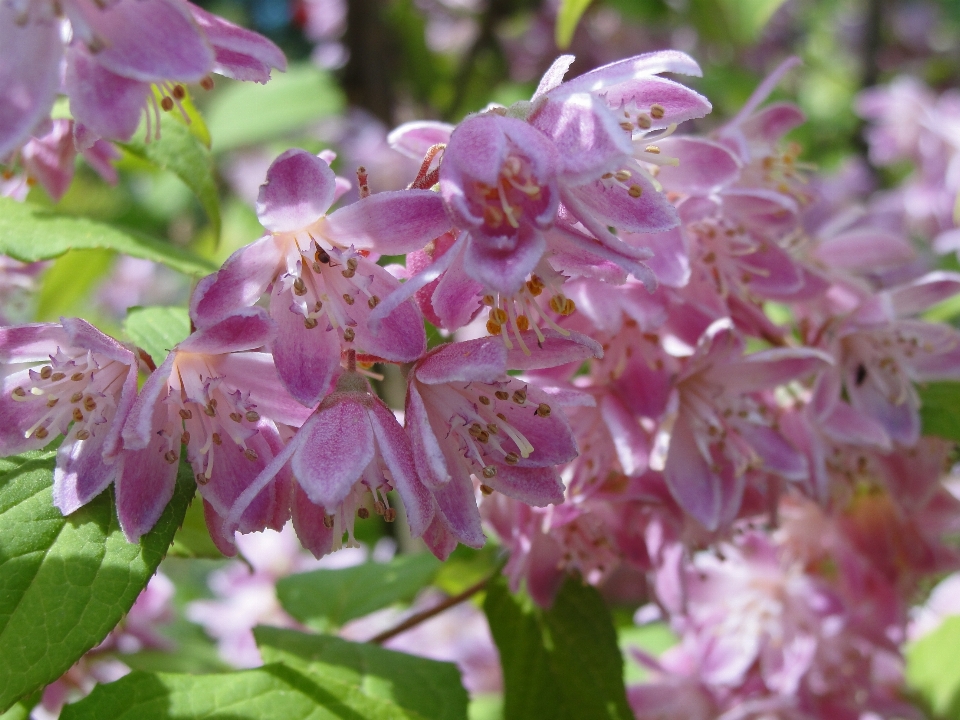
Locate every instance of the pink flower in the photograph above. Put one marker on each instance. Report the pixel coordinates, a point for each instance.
(80, 384)
(466, 417)
(323, 290)
(221, 400)
(347, 456)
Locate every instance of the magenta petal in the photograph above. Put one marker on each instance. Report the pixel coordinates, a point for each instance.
(394, 446)
(239, 283)
(704, 165)
(245, 329)
(103, 102)
(337, 446)
(458, 506)
(638, 67)
(865, 249)
(504, 271)
(240, 53)
(141, 422)
(671, 260)
(846, 425)
(261, 379)
(612, 205)
(414, 139)
(29, 74)
(148, 40)
(629, 439)
(81, 473)
(923, 292)
(456, 298)
(552, 440)
(31, 343)
(439, 539)
(538, 487)
(17, 418)
(695, 488)
(769, 368)
(778, 455)
(555, 349)
(679, 102)
(50, 159)
(308, 521)
(392, 223)
(297, 192)
(224, 540)
(480, 360)
(588, 137)
(773, 122)
(145, 482)
(306, 359)
(427, 454)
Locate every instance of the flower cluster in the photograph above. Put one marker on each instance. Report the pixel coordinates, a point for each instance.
(674, 339)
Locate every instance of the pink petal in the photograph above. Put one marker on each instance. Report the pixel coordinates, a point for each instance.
(865, 249)
(922, 293)
(670, 262)
(638, 67)
(553, 76)
(245, 329)
(147, 40)
(538, 487)
(50, 159)
(587, 136)
(900, 420)
(18, 417)
(480, 360)
(29, 74)
(427, 455)
(630, 441)
(31, 343)
(504, 271)
(239, 283)
(555, 349)
(439, 538)
(612, 205)
(400, 337)
(392, 223)
(257, 374)
(394, 447)
(337, 445)
(769, 368)
(224, 541)
(297, 192)
(773, 122)
(240, 54)
(457, 507)
(140, 424)
(456, 298)
(704, 165)
(81, 473)
(308, 521)
(306, 359)
(414, 139)
(104, 103)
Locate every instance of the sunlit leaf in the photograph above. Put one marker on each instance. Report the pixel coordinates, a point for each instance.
(418, 686)
(157, 329)
(71, 277)
(65, 582)
(568, 17)
(30, 233)
(933, 671)
(940, 409)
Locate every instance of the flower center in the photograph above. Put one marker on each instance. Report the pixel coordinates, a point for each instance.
(507, 201)
(522, 311)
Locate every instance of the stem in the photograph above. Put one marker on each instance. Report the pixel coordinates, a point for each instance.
(420, 617)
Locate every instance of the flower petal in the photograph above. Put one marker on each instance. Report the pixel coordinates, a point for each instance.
(297, 192)
(102, 102)
(239, 282)
(392, 223)
(240, 53)
(414, 139)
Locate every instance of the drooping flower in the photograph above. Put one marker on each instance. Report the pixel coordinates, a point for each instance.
(75, 382)
(217, 395)
(466, 417)
(323, 289)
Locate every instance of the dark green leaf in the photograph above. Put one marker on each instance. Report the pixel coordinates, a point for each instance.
(247, 113)
(65, 582)
(329, 598)
(940, 409)
(420, 687)
(157, 329)
(568, 17)
(30, 233)
(933, 671)
(183, 153)
(558, 664)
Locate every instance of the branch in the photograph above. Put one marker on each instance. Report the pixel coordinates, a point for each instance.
(424, 615)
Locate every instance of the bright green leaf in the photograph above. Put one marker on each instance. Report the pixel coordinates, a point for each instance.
(184, 154)
(157, 329)
(558, 664)
(247, 113)
(328, 598)
(30, 233)
(69, 279)
(420, 687)
(273, 692)
(65, 582)
(933, 670)
(747, 18)
(653, 639)
(940, 409)
(568, 17)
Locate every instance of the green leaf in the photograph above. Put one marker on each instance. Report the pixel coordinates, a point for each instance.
(182, 152)
(747, 18)
(157, 329)
(418, 687)
(558, 664)
(65, 582)
(933, 671)
(568, 17)
(30, 233)
(328, 598)
(193, 539)
(69, 279)
(940, 409)
(246, 113)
